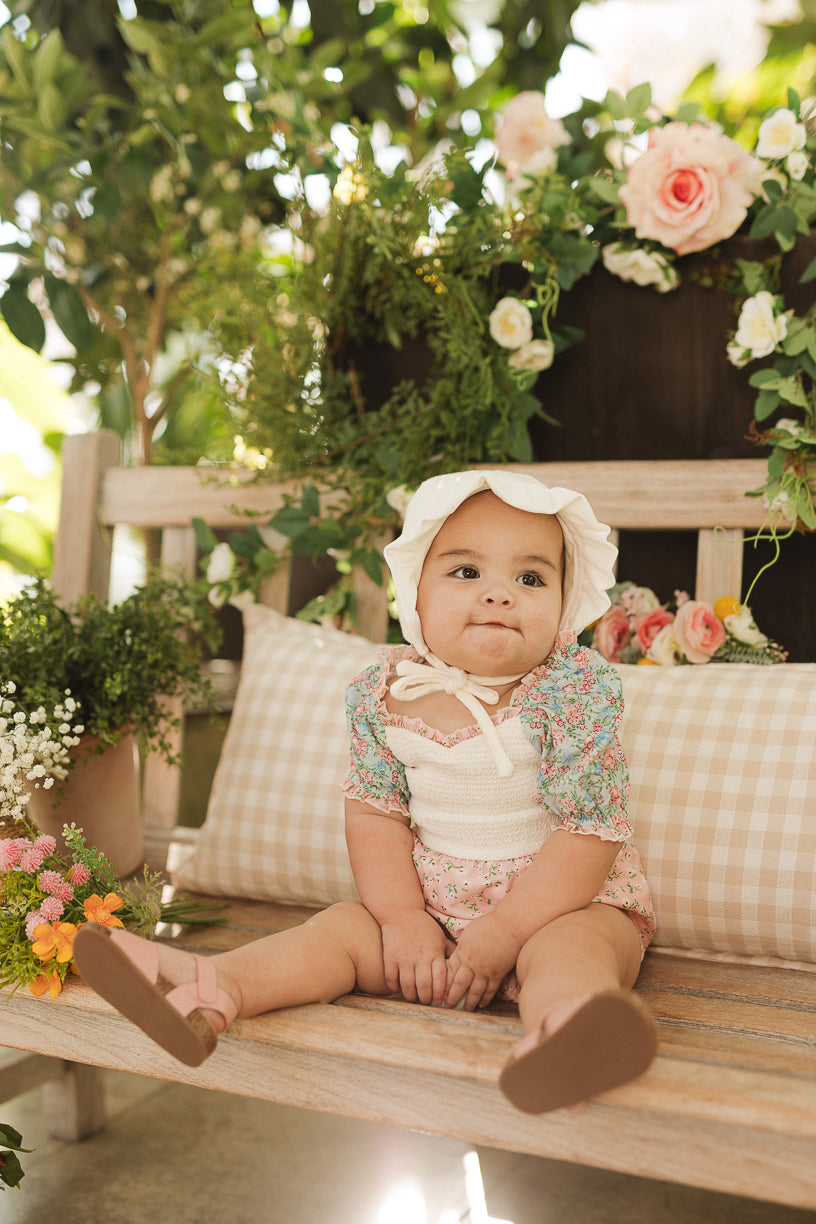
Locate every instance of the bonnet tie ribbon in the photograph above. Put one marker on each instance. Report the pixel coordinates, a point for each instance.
(419, 679)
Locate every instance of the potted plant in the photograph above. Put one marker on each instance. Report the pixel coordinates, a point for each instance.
(96, 678)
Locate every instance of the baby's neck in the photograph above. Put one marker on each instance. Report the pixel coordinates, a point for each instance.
(446, 713)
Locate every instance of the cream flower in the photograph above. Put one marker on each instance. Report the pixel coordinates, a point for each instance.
(780, 134)
(737, 355)
(758, 328)
(743, 627)
(642, 267)
(526, 135)
(665, 649)
(534, 355)
(796, 164)
(221, 564)
(511, 323)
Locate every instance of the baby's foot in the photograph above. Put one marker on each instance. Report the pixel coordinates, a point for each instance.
(180, 968)
(587, 1047)
(176, 998)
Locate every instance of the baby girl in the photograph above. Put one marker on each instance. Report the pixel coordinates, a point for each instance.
(485, 813)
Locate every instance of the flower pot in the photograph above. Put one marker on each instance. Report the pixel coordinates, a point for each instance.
(102, 796)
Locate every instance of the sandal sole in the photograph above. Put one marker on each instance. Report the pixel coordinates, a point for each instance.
(609, 1041)
(108, 970)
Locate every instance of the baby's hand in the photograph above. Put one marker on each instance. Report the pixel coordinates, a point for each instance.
(485, 953)
(414, 948)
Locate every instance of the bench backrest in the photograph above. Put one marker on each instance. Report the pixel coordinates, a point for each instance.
(706, 496)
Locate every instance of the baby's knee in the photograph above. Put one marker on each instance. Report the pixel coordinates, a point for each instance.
(343, 915)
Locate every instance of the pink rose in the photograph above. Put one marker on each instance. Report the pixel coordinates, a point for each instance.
(611, 633)
(526, 135)
(691, 188)
(698, 631)
(649, 626)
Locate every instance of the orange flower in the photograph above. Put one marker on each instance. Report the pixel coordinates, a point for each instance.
(50, 982)
(55, 939)
(101, 911)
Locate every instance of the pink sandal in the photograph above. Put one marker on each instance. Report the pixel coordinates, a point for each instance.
(601, 1041)
(124, 970)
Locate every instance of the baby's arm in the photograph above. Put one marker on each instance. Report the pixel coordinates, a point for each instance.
(565, 875)
(414, 945)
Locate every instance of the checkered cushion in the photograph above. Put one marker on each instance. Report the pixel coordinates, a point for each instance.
(722, 760)
(723, 794)
(274, 826)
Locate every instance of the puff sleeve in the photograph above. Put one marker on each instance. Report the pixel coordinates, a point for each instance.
(375, 775)
(572, 713)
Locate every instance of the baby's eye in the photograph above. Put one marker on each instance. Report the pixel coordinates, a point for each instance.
(531, 579)
(465, 571)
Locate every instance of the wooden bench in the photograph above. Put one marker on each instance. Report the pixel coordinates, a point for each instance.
(730, 1102)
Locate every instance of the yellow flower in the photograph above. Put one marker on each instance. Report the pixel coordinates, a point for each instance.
(644, 662)
(50, 982)
(726, 605)
(101, 911)
(55, 939)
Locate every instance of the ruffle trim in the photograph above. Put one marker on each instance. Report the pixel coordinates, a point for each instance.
(353, 791)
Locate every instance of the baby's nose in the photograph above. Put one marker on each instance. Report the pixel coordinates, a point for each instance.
(498, 594)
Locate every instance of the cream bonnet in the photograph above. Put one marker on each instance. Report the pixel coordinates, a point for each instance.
(589, 556)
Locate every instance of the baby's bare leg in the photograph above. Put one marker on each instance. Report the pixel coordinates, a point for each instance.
(594, 949)
(584, 1032)
(335, 951)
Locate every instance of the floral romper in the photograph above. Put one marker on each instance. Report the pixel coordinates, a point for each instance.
(476, 833)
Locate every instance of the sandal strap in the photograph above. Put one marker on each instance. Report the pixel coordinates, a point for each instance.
(203, 993)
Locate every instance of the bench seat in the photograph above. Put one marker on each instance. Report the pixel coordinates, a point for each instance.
(728, 1105)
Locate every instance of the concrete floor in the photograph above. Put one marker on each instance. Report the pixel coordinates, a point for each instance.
(179, 1155)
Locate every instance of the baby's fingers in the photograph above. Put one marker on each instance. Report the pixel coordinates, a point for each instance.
(460, 981)
(439, 980)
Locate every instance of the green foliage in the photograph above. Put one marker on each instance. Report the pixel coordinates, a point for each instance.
(120, 663)
(382, 282)
(11, 1142)
(159, 147)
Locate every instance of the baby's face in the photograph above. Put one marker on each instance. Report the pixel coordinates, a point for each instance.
(489, 596)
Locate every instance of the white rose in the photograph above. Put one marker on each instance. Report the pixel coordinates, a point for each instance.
(534, 355)
(511, 323)
(796, 164)
(780, 134)
(665, 649)
(743, 627)
(642, 267)
(738, 356)
(221, 564)
(758, 329)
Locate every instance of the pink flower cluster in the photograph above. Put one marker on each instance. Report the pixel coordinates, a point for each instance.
(25, 854)
(637, 628)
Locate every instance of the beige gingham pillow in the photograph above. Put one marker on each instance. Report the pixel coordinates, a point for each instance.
(274, 826)
(722, 759)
